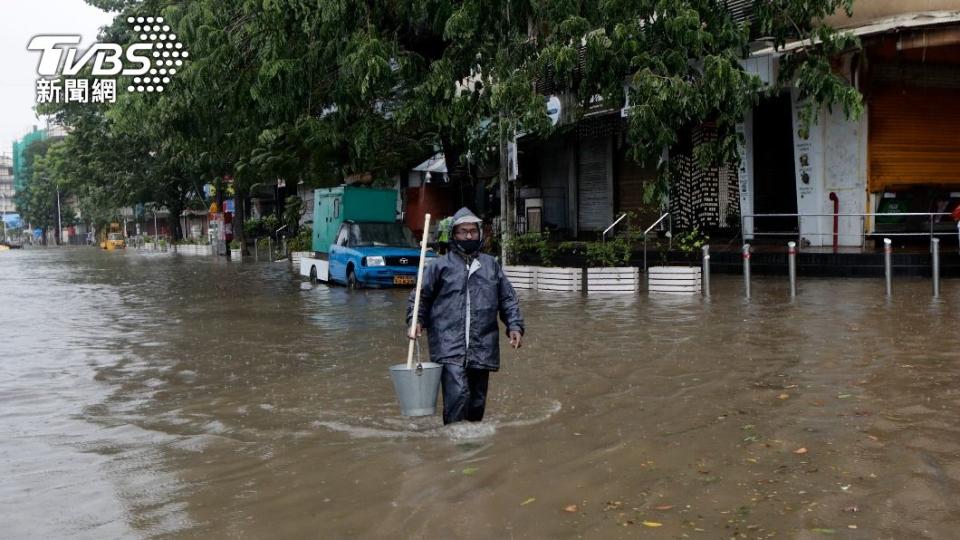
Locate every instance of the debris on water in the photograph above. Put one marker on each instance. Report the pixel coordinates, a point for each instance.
(470, 471)
(652, 524)
(305, 286)
(570, 509)
(528, 501)
(800, 451)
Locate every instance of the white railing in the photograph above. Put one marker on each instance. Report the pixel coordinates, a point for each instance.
(646, 231)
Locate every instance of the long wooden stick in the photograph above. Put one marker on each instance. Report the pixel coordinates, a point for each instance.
(416, 299)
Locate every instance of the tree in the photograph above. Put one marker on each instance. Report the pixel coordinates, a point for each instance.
(37, 201)
(314, 91)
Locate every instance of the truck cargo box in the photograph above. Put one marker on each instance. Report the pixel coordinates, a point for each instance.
(332, 206)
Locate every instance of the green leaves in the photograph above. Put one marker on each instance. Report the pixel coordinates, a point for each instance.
(315, 90)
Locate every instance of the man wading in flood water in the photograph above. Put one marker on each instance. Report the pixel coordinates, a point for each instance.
(461, 294)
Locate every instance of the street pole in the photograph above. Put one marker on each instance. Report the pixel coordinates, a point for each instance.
(792, 267)
(505, 233)
(888, 265)
(156, 235)
(935, 256)
(745, 254)
(704, 270)
(59, 219)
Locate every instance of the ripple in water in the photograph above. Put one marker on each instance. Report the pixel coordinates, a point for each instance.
(430, 426)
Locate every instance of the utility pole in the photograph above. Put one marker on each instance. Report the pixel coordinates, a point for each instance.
(506, 196)
(59, 219)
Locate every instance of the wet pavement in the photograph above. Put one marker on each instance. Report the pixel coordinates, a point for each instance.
(150, 395)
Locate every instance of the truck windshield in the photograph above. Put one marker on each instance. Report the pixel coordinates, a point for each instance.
(381, 234)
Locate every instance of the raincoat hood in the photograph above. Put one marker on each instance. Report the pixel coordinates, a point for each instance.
(468, 247)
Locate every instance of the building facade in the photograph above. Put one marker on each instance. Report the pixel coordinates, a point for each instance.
(7, 189)
(19, 149)
(901, 156)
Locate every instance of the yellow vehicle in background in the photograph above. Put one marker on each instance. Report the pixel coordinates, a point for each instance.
(114, 239)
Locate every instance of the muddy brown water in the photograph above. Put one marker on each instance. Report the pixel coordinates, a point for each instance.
(163, 396)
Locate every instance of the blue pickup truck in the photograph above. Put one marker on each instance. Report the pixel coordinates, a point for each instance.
(369, 254)
(357, 240)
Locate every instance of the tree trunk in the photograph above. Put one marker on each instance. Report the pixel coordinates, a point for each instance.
(239, 217)
(173, 221)
(458, 172)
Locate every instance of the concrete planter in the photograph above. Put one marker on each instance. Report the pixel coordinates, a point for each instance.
(195, 249)
(542, 278)
(674, 279)
(623, 279)
(236, 255)
(599, 280)
(153, 246)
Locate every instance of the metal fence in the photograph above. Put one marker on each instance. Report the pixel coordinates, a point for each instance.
(929, 224)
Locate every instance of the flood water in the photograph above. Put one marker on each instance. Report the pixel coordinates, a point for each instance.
(151, 395)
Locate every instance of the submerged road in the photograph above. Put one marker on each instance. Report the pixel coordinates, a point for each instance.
(151, 395)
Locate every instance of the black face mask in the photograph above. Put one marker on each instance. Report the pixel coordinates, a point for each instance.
(469, 246)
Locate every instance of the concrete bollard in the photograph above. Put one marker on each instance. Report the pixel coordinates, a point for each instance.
(746, 269)
(935, 252)
(888, 264)
(792, 264)
(706, 271)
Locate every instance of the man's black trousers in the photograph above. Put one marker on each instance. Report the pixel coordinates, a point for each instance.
(464, 393)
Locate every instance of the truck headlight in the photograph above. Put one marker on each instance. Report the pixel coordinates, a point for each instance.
(375, 260)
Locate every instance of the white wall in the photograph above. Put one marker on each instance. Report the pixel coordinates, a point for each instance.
(831, 159)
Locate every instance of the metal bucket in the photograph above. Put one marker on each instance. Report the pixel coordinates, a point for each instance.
(417, 388)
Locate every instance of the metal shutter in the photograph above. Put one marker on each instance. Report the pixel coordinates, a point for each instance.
(554, 182)
(594, 189)
(914, 136)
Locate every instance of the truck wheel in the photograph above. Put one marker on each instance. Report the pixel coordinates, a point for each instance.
(352, 282)
(313, 275)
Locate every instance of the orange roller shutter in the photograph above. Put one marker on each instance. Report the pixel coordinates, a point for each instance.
(914, 136)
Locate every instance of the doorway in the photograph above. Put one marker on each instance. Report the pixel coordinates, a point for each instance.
(775, 186)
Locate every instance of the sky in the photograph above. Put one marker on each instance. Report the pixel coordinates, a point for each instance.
(20, 20)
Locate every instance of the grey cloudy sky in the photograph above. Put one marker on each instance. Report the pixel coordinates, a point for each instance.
(20, 20)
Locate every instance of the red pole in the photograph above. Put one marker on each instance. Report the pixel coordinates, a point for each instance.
(836, 221)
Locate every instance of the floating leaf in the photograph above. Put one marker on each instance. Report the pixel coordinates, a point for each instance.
(470, 471)
(844, 396)
(824, 531)
(570, 508)
(800, 451)
(528, 501)
(783, 396)
(663, 507)
(652, 523)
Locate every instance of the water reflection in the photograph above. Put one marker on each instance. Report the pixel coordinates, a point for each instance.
(154, 395)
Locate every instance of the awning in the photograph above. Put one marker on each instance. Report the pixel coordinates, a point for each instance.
(435, 164)
(879, 26)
